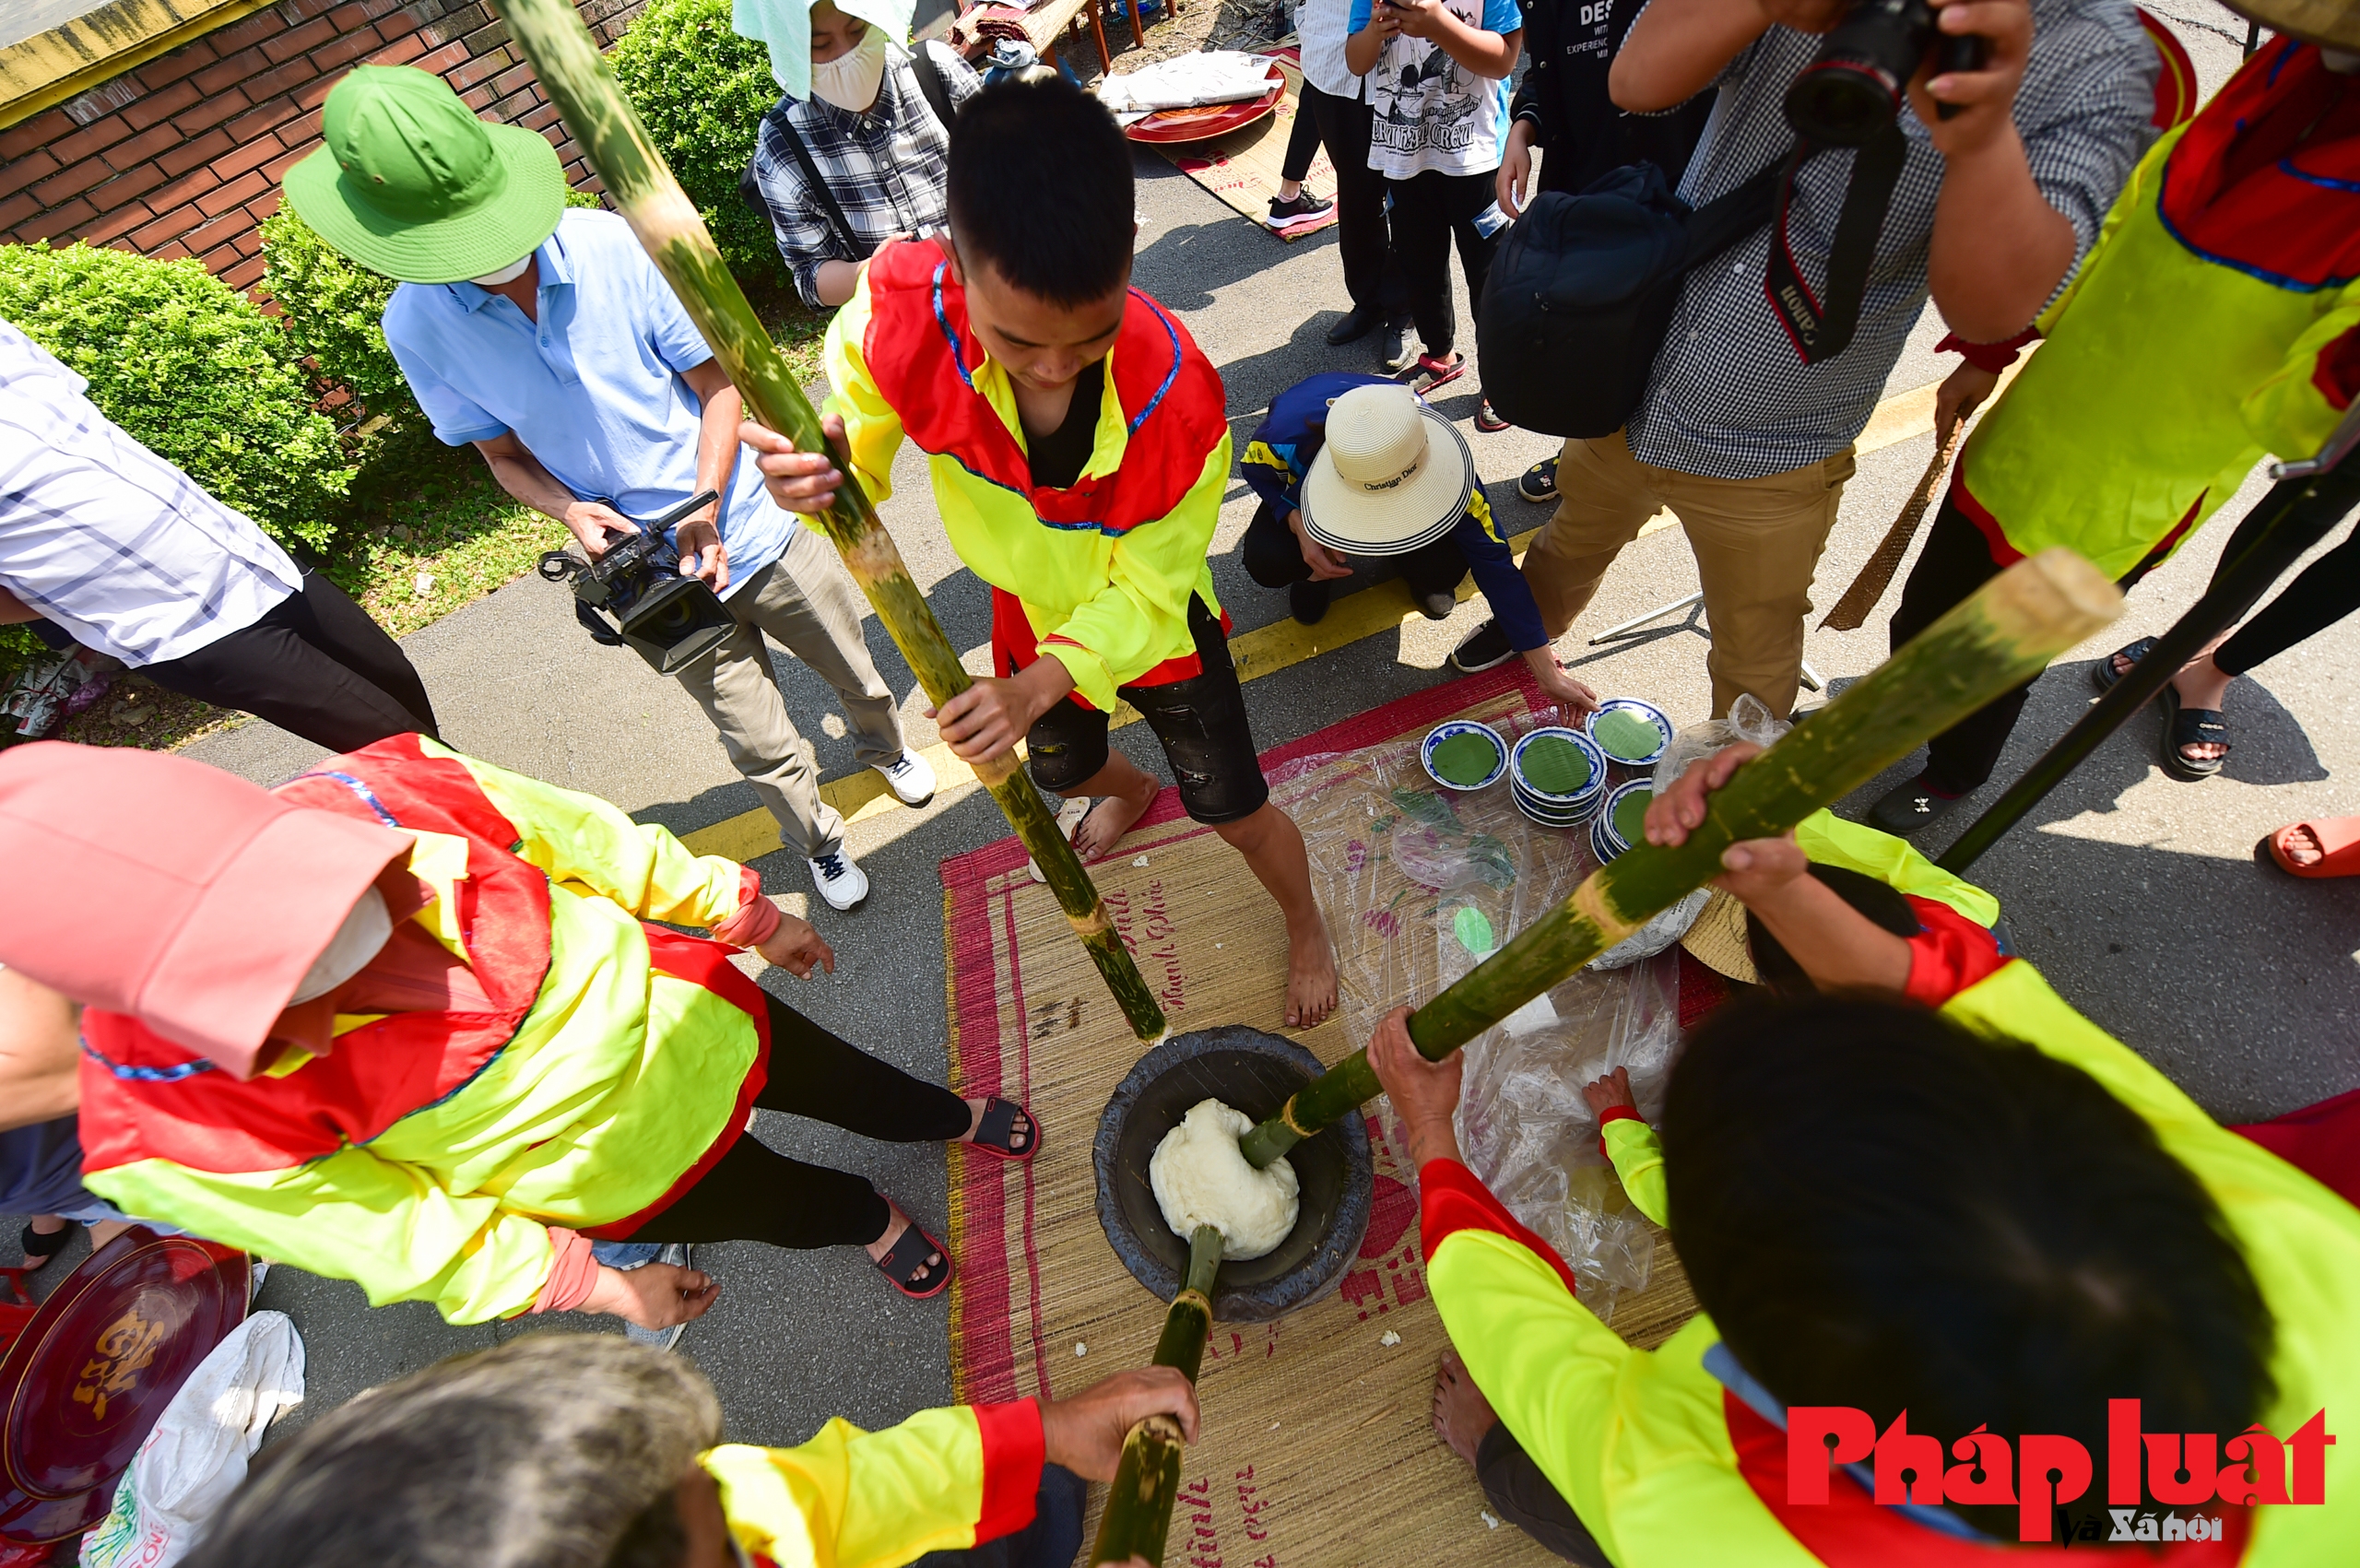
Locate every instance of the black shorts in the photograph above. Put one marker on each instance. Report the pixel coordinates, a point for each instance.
(1200, 721)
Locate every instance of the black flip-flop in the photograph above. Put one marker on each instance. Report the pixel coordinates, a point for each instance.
(2105, 677)
(42, 1248)
(992, 1133)
(2191, 727)
(906, 1258)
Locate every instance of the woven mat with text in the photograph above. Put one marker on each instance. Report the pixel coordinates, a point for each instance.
(1316, 1446)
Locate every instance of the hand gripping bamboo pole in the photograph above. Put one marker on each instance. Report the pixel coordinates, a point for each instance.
(580, 83)
(1147, 1480)
(2007, 632)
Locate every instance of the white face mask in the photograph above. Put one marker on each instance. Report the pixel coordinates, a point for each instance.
(850, 80)
(508, 274)
(358, 940)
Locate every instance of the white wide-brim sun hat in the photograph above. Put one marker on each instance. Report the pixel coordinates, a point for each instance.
(1392, 476)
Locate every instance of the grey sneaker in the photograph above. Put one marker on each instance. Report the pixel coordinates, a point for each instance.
(677, 1254)
(1397, 342)
(1914, 805)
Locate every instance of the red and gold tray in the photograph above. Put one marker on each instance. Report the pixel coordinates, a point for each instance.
(87, 1378)
(1195, 124)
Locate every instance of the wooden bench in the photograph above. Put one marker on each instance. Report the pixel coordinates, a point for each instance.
(1046, 24)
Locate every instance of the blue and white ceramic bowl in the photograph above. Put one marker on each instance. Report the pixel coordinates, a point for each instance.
(1578, 802)
(1648, 712)
(1442, 732)
(1604, 840)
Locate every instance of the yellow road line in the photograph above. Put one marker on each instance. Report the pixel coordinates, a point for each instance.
(1266, 650)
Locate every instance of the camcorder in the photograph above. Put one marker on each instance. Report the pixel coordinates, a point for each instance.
(1854, 88)
(670, 620)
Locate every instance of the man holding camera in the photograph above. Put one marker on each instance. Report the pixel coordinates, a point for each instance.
(1740, 433)
(548, 339)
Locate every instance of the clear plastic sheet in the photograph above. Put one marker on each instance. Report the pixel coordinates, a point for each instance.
(1417, 882)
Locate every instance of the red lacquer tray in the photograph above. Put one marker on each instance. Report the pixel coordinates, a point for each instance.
(1168, 126)
(87, 1378)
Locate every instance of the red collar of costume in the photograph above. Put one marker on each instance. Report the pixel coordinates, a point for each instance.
(924, 355)
(2267, 178)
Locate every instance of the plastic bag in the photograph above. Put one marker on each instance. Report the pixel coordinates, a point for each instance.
(196, 1457)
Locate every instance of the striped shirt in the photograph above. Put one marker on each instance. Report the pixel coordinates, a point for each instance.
(121, 549)
(1729, 398)
(887, 166)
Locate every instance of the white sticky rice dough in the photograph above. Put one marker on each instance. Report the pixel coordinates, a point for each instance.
(1201, 1179)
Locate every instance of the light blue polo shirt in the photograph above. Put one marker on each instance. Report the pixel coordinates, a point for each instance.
(592, 390)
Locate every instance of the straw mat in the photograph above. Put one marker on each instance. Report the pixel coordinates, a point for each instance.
(1316, 1447)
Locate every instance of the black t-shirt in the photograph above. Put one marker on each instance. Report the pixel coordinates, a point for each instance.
(1058, 457)
(1571, 44)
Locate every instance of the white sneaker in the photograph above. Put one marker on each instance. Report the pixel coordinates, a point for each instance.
(912, 778)
(843, 883)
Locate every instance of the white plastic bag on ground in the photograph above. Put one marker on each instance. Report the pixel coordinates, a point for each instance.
(198, 1454)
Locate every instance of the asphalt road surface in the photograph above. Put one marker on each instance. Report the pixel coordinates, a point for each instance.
(2137, 895)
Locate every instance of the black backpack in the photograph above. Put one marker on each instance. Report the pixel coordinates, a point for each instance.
(1583, 288)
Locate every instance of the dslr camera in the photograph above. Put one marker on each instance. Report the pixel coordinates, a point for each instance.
(1854, 88)
(670, 620)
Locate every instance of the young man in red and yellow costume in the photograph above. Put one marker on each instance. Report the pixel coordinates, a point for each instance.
(1932, 1191)
(1079, 447)
(404, 1020)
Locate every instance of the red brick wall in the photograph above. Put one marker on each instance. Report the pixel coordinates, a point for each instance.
(181, 157)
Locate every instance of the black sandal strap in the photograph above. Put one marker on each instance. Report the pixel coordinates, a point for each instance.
(907, 1257)
(38, 1245)
(998, 1126)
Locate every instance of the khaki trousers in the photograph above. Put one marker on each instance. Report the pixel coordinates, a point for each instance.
(807, 605)
(1757, 541)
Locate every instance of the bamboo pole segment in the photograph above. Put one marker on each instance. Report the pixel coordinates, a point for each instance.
(1138, 1503)
(583, 86)
(2008, 631)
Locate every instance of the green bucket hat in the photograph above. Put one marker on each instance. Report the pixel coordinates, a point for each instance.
(413, 186)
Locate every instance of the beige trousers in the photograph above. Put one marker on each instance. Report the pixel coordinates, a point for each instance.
(1757, 541)
(807, 605)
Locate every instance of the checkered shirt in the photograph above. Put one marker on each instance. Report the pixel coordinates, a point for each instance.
(121, 549)
(1729, 398)
(887, 166)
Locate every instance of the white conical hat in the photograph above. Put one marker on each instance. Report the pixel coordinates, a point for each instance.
(1392, 474)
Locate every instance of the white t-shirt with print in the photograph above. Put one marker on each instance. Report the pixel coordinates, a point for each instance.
(1430, 112)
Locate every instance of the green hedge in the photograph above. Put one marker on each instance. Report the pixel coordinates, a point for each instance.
(192, 368)
(703, 91)
(333, 310)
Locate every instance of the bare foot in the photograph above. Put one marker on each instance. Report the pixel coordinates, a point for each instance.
(2302, 846)
(1311, 974)
(1462, 1416)
(922, 1279)
(1020, 1134)
(1111, 819)
(2201, 684)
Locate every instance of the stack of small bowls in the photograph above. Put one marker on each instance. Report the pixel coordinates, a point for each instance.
(1471, 737)
(1621, 819)
(1557, 777)
(1631, 736)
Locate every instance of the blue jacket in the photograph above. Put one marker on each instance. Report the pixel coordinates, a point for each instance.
(1280, 453)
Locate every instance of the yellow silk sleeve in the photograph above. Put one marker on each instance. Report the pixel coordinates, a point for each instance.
(1131, 624)
(872, 428)
(386, 1226)
(584, 842)
(855, 1499)
(1637, 1156)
